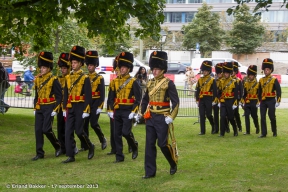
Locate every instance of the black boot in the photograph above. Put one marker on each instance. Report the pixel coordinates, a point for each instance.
(173, 166)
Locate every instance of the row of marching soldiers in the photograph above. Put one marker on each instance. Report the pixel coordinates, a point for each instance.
(227, 92)
(77, 99)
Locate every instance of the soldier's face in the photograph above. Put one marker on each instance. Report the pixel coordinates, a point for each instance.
(219, 75)
(156, 72)
(226, 75)
(76, 65)
(91, 68)
(267, 71)
(206, 73)
(251, 77)
(64, 70)
(44, 70)
(124, 70)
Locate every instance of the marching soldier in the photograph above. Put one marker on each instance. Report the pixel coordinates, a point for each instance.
(269, 96)
(250, 99)
(206, 96)
(46, 104)
(218, 70)
(112, 140)
(158, 113)
(123, 102)
(240, 94)
(228, 98)
(76, 104)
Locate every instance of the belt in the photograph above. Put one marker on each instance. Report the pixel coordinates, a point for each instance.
(154, 103)
(45, 100)
(76, 98)
(228, 95)
(252, 96)
(95, 93)
(268, 94)
(120, 101)
(208, 93)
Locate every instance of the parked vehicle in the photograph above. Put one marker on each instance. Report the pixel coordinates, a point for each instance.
(196, 63)
(176, 68)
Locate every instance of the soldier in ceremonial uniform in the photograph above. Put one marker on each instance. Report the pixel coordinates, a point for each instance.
(76, 104)
(206, 96)
(98, 97)
(218, 70)
(250, 99)
(158, 113)
(269, 96)
(47, 102)
(240, 94)
(123, 102)
(228, 98)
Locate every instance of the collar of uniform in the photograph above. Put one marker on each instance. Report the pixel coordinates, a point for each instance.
(161, 76)
(125, 76)
(77, 72)
(268, 76)
(252, 80)
(92, 74)
(206, 76)
(46, 75)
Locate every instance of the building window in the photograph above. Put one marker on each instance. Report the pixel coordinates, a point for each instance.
(175, 1)
(195, 1)
(219, 1)
(274, 16)
(189, 16)
(176, 17)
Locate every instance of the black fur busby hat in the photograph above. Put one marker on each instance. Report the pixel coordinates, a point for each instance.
(63, 60)
(77, 53)
(206, 66)
(158, 59)
(252, 70)
(219, 68)
(115, 63)
(267, 63)
(45, 59)
(126, 59)
(227, 67)
(91, 57)
(235, 66)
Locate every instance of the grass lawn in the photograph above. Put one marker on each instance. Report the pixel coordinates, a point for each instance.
(206, 163)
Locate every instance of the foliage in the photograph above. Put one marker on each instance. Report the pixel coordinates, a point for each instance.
(260, 4)
(34, 18)
(247, 32)
(204, 29)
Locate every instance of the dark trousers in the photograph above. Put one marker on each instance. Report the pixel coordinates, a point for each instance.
(216, 118)
(43, 126)
(251, 109)
(226, 111)
(61, 130)
(268, 104)
(122, 127)
(75, 122)
(156, 128)
(237, 118)
(205, 110)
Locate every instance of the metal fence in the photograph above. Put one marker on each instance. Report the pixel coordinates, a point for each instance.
(24, 99)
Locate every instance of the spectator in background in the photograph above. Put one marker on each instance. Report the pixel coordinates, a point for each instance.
(4, 85)
(142, 79)
(186, 79)
(29, 78)
(191, 80)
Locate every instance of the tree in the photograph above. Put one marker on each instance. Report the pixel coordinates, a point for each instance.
(204, 29)
(26, 18)
(260, 4)
(247, 32)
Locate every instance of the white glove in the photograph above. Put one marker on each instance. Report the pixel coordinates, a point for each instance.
(84, 115)
(34, 112)
(234, 107)
(53, 113)
(197, 103)
(110, 114)
(168, 120)
(98, 111)
(277, 104)
(64, 113)
(137, 117)
(131, 115)
(258, 105)
(213, 103)
(219, 104)
(240, 103)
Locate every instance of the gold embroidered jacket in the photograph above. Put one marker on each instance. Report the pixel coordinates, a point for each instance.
(48, 91)
(250, 91)
(267, 88)
(98, 89)
(228, 89)
(127, 98)
(77, 92)
(159, 101)
(206, 87)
